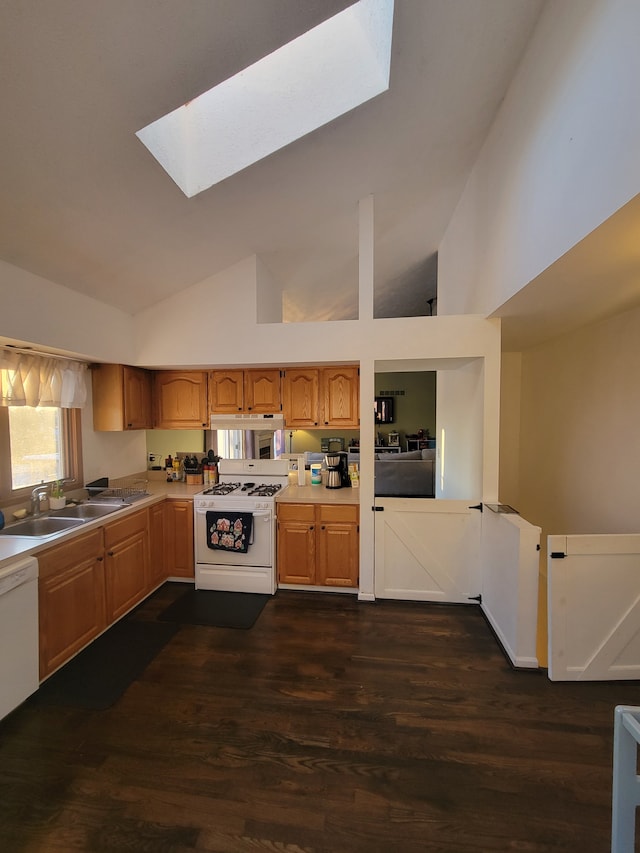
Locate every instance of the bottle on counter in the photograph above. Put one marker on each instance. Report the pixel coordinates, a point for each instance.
(176, 469)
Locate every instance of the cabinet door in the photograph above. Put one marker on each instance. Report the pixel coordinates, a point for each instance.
(71, 599)
(179, 530)
(181, 399)
(137, 398)
(226, 391)
(296, 551)
(262, 391)
(341, 396)
(338, 541)
(157, 545)
(300, 397)
(126, 563)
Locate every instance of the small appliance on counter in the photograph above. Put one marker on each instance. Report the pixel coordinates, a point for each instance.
(331, 445)
(337, 470)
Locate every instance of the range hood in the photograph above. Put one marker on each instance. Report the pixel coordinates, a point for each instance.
(247, 421)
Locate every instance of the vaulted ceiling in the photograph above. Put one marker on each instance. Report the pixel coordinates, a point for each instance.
(84, 204)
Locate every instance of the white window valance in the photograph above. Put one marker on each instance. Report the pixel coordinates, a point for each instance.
(34, 380)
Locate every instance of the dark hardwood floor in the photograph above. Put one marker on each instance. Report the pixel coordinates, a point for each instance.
(330, 726)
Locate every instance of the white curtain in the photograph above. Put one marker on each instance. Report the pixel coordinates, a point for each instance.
(33, 380)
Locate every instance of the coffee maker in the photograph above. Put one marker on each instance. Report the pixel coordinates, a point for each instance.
(337, 470)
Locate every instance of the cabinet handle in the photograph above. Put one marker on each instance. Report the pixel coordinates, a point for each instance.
(311, 528)
(99, 559)
(110, 554)
(322, 527)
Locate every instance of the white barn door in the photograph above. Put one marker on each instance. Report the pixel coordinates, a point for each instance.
(427, 550)
(593, 588)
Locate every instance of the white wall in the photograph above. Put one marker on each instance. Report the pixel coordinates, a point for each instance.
(561, 157)
(579, 451)
(510, 411)
(40, 312)
(459, 412)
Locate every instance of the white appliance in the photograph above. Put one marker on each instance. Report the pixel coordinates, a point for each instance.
(246, 420)
(19, 673)
(235, 526)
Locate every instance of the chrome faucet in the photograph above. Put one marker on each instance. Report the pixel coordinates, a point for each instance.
(37, 495)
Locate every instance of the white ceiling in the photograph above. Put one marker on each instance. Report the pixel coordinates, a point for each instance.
(84, 204)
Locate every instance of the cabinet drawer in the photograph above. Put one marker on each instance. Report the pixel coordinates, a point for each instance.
(117, 531)
(295, 512)
(60, 557)
(338, 512)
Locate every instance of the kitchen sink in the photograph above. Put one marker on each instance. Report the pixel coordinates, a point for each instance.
(86, 511)
(45, 525)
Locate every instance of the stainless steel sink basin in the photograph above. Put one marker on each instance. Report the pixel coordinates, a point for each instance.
(86, 511)
(46, 525)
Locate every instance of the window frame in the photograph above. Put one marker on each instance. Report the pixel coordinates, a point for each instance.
(71, 423)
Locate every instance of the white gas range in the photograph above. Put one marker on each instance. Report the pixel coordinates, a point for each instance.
(234, 526)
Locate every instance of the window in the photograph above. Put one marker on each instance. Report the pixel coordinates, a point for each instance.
(38, 444)
(230, 443)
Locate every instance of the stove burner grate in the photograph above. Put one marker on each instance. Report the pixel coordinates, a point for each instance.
(222, 489)
(266, 490)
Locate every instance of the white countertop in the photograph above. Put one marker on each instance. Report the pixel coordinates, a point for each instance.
(309, 494)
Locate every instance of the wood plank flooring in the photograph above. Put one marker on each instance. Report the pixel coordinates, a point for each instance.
(330, 726)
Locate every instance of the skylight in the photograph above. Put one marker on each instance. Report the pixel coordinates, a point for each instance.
(322, 74)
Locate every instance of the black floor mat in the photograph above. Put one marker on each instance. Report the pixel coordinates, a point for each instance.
(216, 608)
(98, 676)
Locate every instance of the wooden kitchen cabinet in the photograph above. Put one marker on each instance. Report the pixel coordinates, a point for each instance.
(296, 548)
(180, 399)
(180, 560)
(322, 397)
(226, 391)
(157, 547)
(301, 397)
(340, 390)
(338, 545)
(318, 544)
(72, 600)
(254, 391)
(121, 397)
(127, 576)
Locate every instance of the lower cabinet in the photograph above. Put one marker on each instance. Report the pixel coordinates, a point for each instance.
(180, 561)
(157, 551)
(126, 545)
(318, 544)
(72, 598)
(89, 582)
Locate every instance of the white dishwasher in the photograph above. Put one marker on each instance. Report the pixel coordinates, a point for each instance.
(19, 671)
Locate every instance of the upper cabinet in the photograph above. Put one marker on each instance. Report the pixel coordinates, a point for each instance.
(121, 397)
(300, 387)
(253, 390)
(340, 396)
(180, 399)
(321, 396)
(310, 397)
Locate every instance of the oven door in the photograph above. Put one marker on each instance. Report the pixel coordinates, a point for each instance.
(260, 551)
